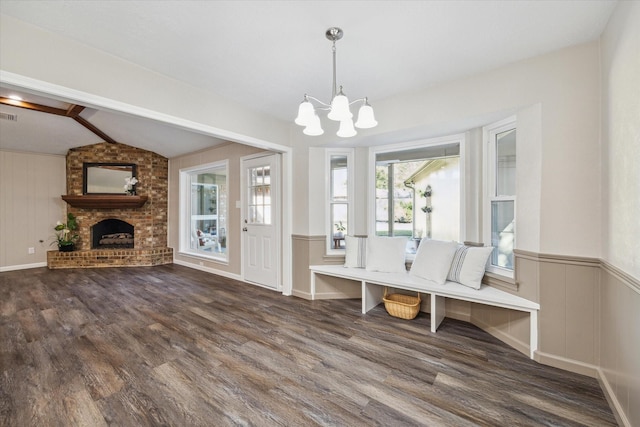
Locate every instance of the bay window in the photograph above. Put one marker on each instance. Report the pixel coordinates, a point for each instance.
(500, 194)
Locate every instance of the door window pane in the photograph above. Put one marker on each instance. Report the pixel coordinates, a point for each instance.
(259, 194)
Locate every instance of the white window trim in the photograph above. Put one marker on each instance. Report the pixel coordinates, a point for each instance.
(489, 133)
(185, 212)
(445, 140)
(349, 153)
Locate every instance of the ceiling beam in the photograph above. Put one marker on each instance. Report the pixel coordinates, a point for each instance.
(94, 129)
(73, 111)
(33, 107)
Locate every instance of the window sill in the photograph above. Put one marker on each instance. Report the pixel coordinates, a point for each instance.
(204, 257)
(500, 281)
(333, 258)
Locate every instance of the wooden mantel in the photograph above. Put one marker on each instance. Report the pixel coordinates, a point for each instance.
(105, 201)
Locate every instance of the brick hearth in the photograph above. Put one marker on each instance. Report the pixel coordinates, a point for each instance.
(149, 221)
(109, 258)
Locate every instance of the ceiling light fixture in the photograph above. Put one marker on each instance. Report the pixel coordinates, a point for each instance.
(339, 106)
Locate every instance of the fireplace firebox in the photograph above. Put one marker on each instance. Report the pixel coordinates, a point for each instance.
(112, 234)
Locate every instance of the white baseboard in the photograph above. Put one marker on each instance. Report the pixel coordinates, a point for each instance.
(209, 270)
(23, 266)
(567, 364)
(614, 403)
(301, 294)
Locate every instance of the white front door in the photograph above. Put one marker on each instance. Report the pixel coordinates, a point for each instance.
(261, 221)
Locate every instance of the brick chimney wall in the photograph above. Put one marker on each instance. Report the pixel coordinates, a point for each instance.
(150, 221)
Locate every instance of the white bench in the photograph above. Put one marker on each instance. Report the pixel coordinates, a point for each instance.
(373, 284)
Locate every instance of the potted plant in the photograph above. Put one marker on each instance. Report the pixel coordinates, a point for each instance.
(340, 228)
(66, 235)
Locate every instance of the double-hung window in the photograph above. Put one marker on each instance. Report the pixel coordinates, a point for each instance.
(500, 194)
(203, 211)
(340, 194)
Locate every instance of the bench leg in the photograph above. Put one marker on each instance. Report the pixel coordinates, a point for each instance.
(533, 332)
(313, 285)
(437, 311)
(371, 296)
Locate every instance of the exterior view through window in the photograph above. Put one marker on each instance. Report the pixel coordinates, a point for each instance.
(502, 199)
(339, 200)
(259, 195)
(205, 214)
(418, 194)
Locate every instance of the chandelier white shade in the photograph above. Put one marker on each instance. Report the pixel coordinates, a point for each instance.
(339, 108)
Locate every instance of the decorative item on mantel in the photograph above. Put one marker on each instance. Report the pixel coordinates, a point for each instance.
(66, 236)
(130, 186)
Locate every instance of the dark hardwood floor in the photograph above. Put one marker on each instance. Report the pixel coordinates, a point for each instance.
(174, 346)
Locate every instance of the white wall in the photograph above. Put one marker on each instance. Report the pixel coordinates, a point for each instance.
(620, 289)
(556, 100)
(34, 53)
(621, 139)
(564, 83)
(30, 205)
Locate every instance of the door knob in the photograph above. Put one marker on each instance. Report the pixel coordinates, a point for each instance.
(244, 229)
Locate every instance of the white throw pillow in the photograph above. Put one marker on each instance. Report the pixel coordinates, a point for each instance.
(355, 252)
(433, 260)
(386, 254)
(469, 265)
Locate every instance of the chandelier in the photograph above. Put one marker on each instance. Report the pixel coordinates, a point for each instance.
(338, 108)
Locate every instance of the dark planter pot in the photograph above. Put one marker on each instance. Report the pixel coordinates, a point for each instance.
(67, 248)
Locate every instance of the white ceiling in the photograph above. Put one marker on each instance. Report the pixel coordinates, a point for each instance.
(268, 54)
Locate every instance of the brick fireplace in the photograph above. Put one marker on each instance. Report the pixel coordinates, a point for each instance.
(148, 221)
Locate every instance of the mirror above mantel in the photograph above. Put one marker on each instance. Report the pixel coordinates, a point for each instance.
(106, 178)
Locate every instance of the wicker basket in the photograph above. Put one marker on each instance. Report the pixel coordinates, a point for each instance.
(402, 306)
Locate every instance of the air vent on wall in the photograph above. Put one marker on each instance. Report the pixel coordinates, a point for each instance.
(7, 116)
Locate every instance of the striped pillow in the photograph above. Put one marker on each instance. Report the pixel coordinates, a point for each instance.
(456, 264)
(469, 265)
(355, 252)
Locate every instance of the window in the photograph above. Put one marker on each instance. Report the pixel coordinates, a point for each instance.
(500, 194)
(259, 192)
(203, 211)
(418, 191)
(339, 196)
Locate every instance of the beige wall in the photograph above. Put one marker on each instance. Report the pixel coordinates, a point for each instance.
(231, 152)
(619, 370)
(30, 205)
(620, 279)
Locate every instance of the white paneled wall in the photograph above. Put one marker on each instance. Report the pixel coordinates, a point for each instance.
(30, 204)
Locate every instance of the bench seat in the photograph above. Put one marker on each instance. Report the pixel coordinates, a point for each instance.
(373, 283)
